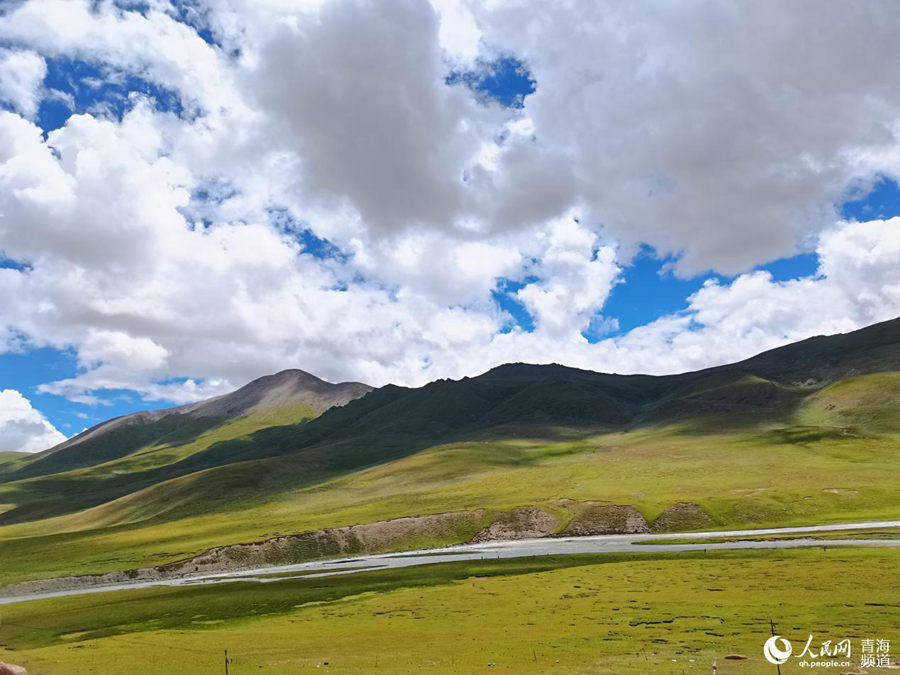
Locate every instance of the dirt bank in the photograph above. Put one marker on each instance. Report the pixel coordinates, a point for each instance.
(606, 519)
(588, 518)
(412, 532)
(682, 517)
(526, 523)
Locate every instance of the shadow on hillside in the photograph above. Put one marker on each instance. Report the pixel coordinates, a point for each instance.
(268, 459)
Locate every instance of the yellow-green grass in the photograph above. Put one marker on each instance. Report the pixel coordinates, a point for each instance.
(570, 614)
(10, 460)
(868, 401)
(143, 465)
(155, 456)
(774, 476)
(160, 454)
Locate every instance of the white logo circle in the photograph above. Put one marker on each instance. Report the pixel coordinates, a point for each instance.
(775, 655)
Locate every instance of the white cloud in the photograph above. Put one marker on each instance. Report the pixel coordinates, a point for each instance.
(666, 124)
(21, 76)
(153, 45)
(459, 34)
(576, 277)
(725, 131)
(22, 428)
(368, 114)
(855, 286)
(724, 323)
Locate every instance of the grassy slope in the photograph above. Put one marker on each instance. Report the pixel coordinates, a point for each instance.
(119, 442)
(775, 474)
(870, 402)
(10, 461)
(45, 496)
(394, 422)
(9, 458)
(579, 614)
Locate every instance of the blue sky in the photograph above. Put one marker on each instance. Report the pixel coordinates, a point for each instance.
(223, 217)
(94, 88)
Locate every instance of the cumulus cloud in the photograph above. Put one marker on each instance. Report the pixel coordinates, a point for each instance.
(169, 251)
(21, 76)
(152, 44)
(22, 428)
(727, 322)
(575, 280)
(368, 112)
(722, 132)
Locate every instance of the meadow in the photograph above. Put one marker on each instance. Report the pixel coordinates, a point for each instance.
(674, 613)
(737, 477)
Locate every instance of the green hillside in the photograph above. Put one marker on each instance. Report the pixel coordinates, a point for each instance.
(803, 434)
(127, 454)
(294, 395)
(9, 461)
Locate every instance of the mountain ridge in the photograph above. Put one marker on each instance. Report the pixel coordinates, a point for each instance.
(253, 394)
(290, 387)
(391, 422)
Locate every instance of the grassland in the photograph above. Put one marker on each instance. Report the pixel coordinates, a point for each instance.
(9, 459)
(738, 478)
(575, 614)
(44, 496)
(750, 451)
(784, 439)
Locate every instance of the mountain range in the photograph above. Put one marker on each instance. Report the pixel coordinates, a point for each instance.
(292, 395)
(289, 451)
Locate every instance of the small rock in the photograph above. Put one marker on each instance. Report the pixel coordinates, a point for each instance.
(11, 669)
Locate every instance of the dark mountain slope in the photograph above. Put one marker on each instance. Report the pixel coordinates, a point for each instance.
(823, 359)
(516, 399)
(307, 395)
(526, 396)
(555, 395)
